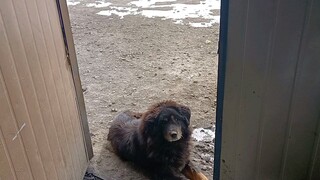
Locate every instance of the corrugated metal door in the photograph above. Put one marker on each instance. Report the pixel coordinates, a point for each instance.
(271, 107)
(41, 135)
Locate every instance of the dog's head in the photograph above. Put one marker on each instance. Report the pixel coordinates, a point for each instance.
(172, 122)
(168, 121)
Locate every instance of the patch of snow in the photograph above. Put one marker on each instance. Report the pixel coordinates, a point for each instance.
(178, 22)
(72, 3)
(121, 14)
(148, 3)
(201, 134)
(99, 4)
(177, 12)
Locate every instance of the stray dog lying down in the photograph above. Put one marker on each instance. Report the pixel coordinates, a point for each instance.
(158, 140)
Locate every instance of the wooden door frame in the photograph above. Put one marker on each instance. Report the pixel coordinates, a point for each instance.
(71, 55)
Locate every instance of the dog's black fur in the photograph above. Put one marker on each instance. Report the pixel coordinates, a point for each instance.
(139, 137)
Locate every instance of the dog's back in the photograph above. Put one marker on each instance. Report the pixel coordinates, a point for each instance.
(123, 135)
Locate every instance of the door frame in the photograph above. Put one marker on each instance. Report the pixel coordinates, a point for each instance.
(222, 51)
(72, 58)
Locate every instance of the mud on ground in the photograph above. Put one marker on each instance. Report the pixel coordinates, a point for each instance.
(133, 62)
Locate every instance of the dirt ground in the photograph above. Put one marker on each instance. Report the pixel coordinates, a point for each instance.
(133, 62)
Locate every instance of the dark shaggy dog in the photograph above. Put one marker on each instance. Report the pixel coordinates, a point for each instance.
(157, 140)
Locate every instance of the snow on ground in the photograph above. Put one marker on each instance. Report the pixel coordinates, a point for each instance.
(196, 15)
(201, 134)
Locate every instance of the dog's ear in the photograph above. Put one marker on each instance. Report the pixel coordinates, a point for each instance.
(150, 123)
(148, 128)
(186, 113)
